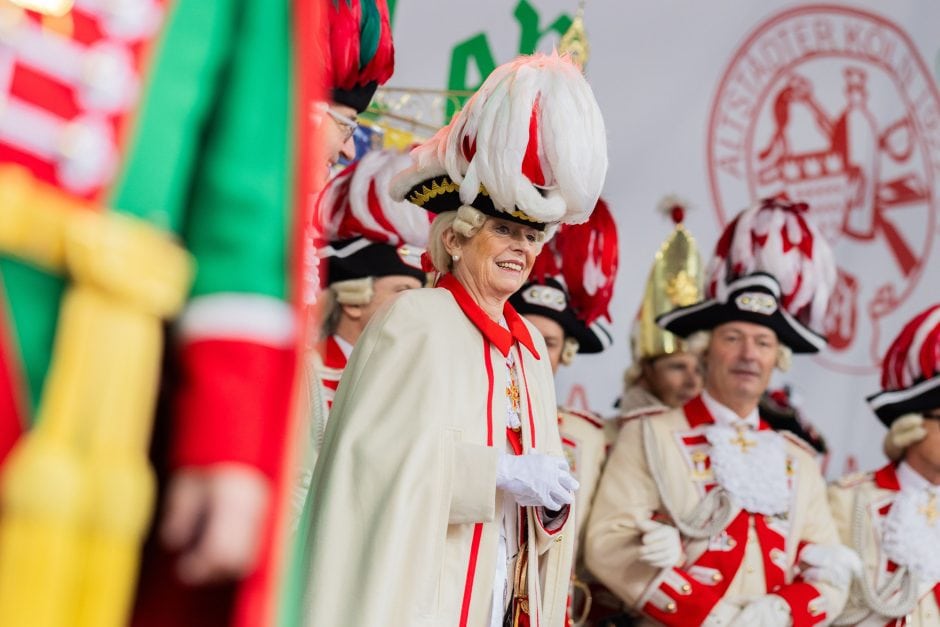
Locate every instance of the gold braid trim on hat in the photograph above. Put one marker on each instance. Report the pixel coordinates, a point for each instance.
(518, 213)
(437, 188)
(445, 185)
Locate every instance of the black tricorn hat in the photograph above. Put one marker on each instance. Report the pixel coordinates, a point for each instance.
(751, 298)
(550, 299)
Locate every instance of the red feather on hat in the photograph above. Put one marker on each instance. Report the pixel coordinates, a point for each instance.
(342, 53)
(586, 256)
(915, 354)
(345, 30)
(356, 202)
(776, 236)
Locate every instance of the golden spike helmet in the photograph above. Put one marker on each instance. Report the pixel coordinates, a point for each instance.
(675, 280)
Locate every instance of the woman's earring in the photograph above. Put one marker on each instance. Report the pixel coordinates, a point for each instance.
(456, 258)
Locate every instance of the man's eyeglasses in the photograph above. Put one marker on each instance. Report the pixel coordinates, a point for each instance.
(346, 124)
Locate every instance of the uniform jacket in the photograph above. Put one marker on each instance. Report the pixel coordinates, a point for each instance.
(873, 493)
(177, 142)
(582, 438)
(755, 554)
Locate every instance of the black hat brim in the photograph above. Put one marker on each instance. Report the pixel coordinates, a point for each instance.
(440, 194)
(708, 314)
(357, 97)
(592, 338)
(357, 258)
(890, 405)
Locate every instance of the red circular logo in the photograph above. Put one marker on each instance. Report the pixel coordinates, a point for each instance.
(835, 107)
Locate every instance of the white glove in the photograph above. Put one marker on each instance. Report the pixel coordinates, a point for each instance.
(536, 479)
(834, 564)
(767, 610)
(722, 614)
(662, 546)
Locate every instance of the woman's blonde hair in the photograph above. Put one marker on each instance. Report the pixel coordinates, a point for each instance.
(465, 221)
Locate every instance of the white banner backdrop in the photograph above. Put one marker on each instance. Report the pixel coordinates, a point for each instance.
(725, 102)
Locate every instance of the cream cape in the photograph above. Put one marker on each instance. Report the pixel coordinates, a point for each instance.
(403, 510)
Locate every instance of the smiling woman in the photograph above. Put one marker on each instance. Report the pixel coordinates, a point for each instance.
(451, 469)
(494, 262)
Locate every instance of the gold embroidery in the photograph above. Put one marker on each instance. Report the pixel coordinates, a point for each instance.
(444, 185)
(437, 188)
(742, 442)
(930, 510)
(700, 472)
(681, 289)
(512, 393)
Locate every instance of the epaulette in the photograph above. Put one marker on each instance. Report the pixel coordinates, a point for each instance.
(800, 442)
(588, 416)
(643, 412)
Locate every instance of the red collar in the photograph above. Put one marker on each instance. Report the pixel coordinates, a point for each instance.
(696, 412)
(333, 356)
(886, 478)
(497, 335)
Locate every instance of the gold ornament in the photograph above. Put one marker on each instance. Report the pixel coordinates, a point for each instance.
(574, 42)
(675, 280)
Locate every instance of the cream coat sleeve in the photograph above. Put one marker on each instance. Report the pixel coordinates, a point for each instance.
(626, 494)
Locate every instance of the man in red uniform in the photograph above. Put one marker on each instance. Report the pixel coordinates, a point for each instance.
(704, 515)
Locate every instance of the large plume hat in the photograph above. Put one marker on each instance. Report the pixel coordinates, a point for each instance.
(572, 280)
(771, 267)
(364, 232)
(529, 146)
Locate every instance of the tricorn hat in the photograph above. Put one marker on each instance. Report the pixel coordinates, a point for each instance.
(364, 232)
(771, 267)
(910, 372)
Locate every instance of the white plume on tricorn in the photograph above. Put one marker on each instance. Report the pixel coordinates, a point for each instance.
(572, 144)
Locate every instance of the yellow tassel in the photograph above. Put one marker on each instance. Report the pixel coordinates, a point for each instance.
(77, 492)
(33, 221)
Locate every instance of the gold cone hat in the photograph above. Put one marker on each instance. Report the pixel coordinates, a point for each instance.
(675, 280)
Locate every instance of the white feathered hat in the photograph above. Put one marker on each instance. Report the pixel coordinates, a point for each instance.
(529, 146)
(771, 267)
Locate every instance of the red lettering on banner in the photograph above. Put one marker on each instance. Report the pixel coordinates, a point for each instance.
(864, 155)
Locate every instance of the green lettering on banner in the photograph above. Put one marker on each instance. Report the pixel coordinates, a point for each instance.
(529, 33)
(477, 50)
